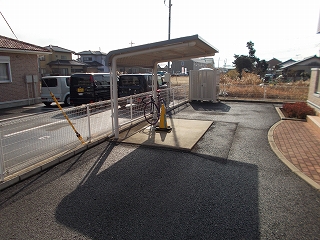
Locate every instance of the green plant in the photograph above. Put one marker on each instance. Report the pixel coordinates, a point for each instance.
(298, 110)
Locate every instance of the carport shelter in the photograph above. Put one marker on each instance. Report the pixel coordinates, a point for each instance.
(148, 56)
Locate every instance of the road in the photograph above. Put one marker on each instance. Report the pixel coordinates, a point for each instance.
(16, 112)
(231, 186)
(41, 131)
(44, 130)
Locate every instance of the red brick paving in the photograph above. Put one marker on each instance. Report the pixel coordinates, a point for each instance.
(300, 144)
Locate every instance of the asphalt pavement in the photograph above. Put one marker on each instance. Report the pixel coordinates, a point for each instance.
(231, 185)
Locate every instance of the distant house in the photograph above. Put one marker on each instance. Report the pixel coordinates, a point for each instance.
(96, 61)
(19, 72)
(286, 63)
(296, 70)
(183, 66)
(272, 65)
(59, 62)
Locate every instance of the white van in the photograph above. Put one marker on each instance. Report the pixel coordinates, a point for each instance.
(59, 86)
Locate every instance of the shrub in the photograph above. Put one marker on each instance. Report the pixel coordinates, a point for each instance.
(233, 74)
(298, 110)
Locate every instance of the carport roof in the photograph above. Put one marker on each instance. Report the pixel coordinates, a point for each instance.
(149, 54)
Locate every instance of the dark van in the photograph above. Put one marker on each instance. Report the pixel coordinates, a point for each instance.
(89, 87)
(130, 84)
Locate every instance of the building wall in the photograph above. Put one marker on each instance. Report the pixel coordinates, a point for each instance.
(59, 56)
(177, 66)
(314, 89)
(18, 92)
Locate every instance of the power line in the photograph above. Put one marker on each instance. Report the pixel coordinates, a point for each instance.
(9, 26)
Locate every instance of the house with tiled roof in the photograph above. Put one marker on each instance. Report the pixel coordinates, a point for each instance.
(60, 62)
(298, 69)
(286, 63)
(19, 72)
(96, 60)
(272, 65)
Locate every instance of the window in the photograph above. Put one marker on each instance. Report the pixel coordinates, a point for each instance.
(49, 82)
(129, 80)
(60, 71)
(85, 59)
(73, 70)
(42, 58)
(5, 69)
(64, 71)
(102, 79)
(43, 71)
(63, 57)
(68, 82)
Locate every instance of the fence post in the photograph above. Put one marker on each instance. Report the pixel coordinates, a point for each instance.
(264, 92)
(173, 96)
(167, 93)
(131, 110)
(88, 116)
(2, 170)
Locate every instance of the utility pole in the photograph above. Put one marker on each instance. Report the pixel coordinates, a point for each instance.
(131, 43)
(169, 20)
(169, 28)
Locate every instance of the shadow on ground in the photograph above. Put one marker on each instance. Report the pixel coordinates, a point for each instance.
(175, 195)
(209, 106)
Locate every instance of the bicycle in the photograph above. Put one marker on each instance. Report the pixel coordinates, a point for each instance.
(152, 108)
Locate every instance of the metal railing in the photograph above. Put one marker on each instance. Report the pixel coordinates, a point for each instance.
(27, 141)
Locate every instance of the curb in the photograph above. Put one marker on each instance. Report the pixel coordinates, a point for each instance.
(287, 162)
(285, 118)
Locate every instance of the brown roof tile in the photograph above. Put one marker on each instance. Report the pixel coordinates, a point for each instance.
(9, 43)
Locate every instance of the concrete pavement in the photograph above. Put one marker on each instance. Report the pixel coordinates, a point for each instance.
(296, 143)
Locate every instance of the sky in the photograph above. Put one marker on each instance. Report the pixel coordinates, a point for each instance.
(282, 29)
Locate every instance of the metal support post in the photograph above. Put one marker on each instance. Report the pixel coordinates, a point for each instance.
(2, 170)
(173, 96)
(131, 110)
(114, 99)
(89, 129)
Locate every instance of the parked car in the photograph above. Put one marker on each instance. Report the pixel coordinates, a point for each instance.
(162, 73)
(130, 84)
(89, 87)
(268, 78)
(59, 86)
(176, 74)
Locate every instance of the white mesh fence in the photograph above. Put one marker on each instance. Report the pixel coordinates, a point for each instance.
(29, 140)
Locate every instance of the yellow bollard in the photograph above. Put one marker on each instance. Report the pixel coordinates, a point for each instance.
(163, 126)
